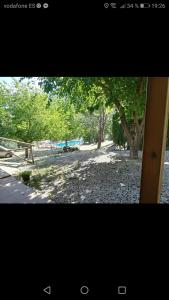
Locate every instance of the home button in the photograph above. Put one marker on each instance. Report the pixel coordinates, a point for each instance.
(84, 290)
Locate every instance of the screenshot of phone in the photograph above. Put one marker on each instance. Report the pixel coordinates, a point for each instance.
(84, 150)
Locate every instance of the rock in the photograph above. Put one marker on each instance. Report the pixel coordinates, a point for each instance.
(88, 191)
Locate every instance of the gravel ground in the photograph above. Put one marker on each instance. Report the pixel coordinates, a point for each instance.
(105, 179)
(95, 176)
(165, 189)
(110, 177)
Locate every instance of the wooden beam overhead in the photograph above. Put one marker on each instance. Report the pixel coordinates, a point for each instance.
(155, 133)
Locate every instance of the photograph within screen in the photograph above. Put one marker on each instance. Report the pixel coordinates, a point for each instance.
(72, 139)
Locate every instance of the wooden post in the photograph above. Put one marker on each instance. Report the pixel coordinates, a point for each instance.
(21, 157)
(155, 134)
(31, 153)
(26, 152)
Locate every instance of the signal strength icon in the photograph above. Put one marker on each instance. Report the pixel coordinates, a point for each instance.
(123, 6)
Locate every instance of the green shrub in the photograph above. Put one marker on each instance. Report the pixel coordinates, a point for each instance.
(36, 181)
(25, 175)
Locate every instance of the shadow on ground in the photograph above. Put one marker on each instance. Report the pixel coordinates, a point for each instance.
(14, 191)
(99, 182)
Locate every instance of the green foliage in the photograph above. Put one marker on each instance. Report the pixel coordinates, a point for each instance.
(69, 107)
(87, 90)
(35, 181)
(63, 121)
(126, 94)
(117, 131)
(23, 112)
(108, 128)
(90, 93)
(25, 175)
(89, 127)
(5, 118)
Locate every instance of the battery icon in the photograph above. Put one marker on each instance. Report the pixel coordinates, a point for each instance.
(144, 5)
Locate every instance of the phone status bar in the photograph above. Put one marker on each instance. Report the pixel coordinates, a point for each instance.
(108, 5)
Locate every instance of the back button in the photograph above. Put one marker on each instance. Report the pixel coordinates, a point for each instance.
(47, 290)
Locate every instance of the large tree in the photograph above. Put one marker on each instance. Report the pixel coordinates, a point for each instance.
(85, 96)
(126, 94)
(27, 114)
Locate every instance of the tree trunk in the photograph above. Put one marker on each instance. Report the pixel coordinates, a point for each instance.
(133, 135)
(102, 136)
(99, 139)
(141, 144)
(26, 153)
(66, 144)
(31, 154)
(102, 122)
(134, 148)
(100, 132)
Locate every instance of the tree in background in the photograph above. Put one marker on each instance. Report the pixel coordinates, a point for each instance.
(62, 120)
(85, 97)
(5, 117)
(88, 127)
(27, 114)
(117, 131)
(126, 94)
(26, 107)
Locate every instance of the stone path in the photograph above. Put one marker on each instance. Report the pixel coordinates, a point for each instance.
(3, 174)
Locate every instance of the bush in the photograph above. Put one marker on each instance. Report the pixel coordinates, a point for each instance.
(70, 149)
(25, 175)
(36, 181)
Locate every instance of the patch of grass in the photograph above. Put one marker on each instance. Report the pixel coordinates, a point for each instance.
(36, 181)
(40, 174)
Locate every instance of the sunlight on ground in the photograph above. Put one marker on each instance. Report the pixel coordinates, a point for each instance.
(85, 176)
